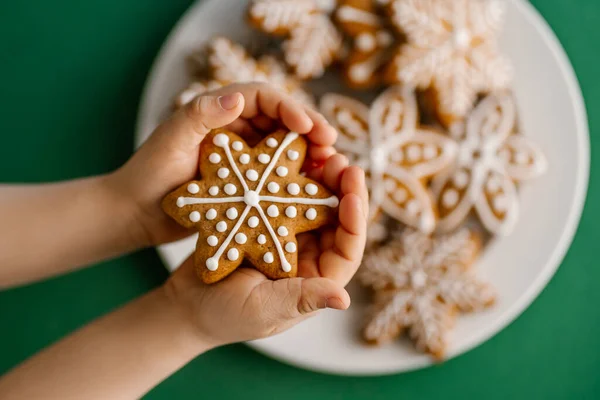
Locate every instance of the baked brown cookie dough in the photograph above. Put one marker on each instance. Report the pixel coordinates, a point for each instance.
(249, 204)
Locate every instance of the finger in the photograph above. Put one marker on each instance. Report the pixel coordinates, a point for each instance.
(353, 181)
(341, 262)
(264, 123)
(280, 107)
(291, 298)
(308, 256)
(322, 133)
(320, 153)
(315, 173)
(333, 169)
(242, 128)
(188, 126)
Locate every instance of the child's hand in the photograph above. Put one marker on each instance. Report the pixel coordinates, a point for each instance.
(246, 305)
(170, 156)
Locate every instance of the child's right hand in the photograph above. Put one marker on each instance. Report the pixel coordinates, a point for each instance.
(246, 305)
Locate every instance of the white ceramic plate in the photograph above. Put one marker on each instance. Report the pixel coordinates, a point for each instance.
(552, 114)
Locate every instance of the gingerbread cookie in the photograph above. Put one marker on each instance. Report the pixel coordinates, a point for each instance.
(420, 283)
(363, 21)
(250, 204)
(451, 49)
(398, 154)
(229, 62)
(313, 42)
(491, 157)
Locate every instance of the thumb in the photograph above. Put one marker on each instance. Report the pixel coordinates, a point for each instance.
(188, 126)
(295, 297)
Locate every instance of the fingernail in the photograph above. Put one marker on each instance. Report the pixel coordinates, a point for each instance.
(229, 102)
(335, 303)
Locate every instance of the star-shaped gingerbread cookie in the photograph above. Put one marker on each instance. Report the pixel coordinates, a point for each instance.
(249, 204)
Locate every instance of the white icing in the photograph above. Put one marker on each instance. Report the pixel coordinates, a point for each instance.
(412, 207)
(214, 158)
(230, 189)
(413, 153)
(212, 241)
(429, 152)
(272, 142)
(456, 41)
(193, 188)
(213, 190)
(348, 13)
(291, 212)
(245, 158)
(252, 175)
(231, 213)
(486, 132)
(253, 222)
(461, 179)
(211, 214)
(252, 199)
(311, 189)
(365, 42)
(293, 155)
(290, 247)
(233, 254)
(450, 198)
(293, 189)
(241, 238)
(194, 216)
(282, 231)
(379, 139)
(261, 239)
(264, 158)
(237, 145)
(273, 187)
(223, 173)
(272, 211)
(268, 257)
(281, 171)
(311, 214)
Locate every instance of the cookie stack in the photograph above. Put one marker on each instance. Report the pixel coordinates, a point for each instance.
(440, 140)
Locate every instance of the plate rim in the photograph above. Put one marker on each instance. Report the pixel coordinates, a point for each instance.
(547, 272)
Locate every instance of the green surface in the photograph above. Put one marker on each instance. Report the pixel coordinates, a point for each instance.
(71, 78)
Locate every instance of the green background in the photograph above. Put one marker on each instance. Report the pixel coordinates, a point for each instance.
(71, 75)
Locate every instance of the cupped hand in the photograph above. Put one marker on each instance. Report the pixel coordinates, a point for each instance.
(246, 305)
(170, 156)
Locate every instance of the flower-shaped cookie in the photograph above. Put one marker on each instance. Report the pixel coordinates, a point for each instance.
(451, 48)
(420, 282)
(490, 158)
(313, 40)
(250, 203)
(398, 155)
(363, 21)
(229, 62)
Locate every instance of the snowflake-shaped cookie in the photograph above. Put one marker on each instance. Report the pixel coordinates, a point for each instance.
(388, 143)
(313, 41)
(420, 282)
(250, 203)
(229, 62)
(451, 48)
(372, 40)
(490, 158)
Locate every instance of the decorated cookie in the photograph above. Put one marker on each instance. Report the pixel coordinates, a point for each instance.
(420, 283)
(451, 49)
(363, 21)
(491, 157)
(398, 154)
(312, 40)
(229, 62)
(250, 204)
